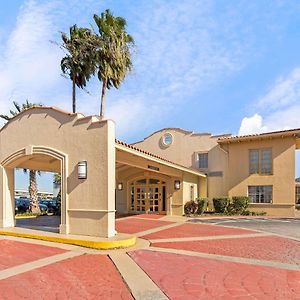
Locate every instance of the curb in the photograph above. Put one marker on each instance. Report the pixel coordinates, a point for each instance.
(25, 217)
(101, 245)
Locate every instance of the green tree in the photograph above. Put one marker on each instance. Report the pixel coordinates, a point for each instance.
(57, 182)
(113, 52)
(33, 190)
(78, 63)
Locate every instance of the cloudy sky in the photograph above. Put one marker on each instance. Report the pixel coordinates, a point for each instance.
(209, 66)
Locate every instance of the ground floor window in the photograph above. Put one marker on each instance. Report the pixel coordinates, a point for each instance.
(260, 193)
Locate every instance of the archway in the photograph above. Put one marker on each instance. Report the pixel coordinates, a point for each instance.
(32, 158)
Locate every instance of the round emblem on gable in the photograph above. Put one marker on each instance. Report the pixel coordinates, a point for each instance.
(167, 139)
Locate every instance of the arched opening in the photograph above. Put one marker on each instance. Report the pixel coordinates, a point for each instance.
(39, 159)
(148, 195)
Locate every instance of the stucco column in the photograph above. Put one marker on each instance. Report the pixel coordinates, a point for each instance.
(7, 207)
(111, 178)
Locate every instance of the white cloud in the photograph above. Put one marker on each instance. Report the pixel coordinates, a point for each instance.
(278, 109)
(251, 125)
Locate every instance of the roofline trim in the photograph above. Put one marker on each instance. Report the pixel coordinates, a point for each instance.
(271, 134)
(139, 152)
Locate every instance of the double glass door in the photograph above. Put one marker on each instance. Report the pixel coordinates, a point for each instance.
(148, 196)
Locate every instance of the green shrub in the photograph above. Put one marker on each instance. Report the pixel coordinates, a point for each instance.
(298, 206)
(202, 205)
(240, 204)
(221, 204)
(190, 207)
(253, 213)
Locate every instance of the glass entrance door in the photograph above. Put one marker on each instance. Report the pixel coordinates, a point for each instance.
(148, 196)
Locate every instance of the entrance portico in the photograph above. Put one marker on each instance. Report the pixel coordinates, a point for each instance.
(45, 138)
(151, 184)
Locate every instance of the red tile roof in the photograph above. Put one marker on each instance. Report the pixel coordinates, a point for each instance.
(154, 156)
(279, 133)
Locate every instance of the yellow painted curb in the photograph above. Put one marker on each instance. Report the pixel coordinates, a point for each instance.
(101, 245)
(25, 217)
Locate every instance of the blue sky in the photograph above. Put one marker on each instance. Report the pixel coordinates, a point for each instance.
(208, 66)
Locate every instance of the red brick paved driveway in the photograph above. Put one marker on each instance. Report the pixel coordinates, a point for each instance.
(188, 277)
(184, 261)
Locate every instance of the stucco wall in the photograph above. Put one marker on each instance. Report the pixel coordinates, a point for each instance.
(282, 179)
(89, 202)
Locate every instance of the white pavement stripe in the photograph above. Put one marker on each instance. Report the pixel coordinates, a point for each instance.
(242, 260)
(36, 264)
(205, 238)
(153, 230)
(141, 286)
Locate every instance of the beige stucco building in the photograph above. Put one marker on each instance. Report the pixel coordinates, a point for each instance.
(261, 166)
(102, 176)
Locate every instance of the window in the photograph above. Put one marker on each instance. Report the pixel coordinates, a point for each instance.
(203, 160)
(260, 161)
(167, 139)
(260, 193)
(192, 192)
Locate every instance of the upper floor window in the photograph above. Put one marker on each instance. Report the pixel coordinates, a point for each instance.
(260, 193)
(203, 160)
(260, 161)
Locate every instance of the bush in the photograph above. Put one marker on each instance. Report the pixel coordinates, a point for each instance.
(240, 204)
(202, 205)
(190, 207)
(253, 213)
(221, 204)
(298, 206)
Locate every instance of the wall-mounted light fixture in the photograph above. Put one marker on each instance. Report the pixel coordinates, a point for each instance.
(120, 186)
(177, 184)
(82, 169)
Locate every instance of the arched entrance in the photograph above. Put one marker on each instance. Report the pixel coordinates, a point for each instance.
(33, 158)
(148, 195)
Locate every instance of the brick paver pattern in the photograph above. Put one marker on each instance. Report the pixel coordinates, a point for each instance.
(134, 225)
(82, 277)
(196, 230)
(188, 277)
(269, 248)
(13, 253)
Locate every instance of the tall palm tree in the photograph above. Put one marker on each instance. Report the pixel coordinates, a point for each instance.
(34, 205)
(113, 53)
(57, 183)
(77, 63)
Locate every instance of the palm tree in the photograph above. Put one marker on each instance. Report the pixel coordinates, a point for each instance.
(57, 183)
(77, 63)
(34, 205)
(113, 53)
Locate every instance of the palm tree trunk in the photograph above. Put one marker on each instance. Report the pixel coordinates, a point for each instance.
(103, 93)
(34, 205)
(73, 95)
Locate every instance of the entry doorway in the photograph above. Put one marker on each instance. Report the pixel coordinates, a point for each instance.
(148, 195)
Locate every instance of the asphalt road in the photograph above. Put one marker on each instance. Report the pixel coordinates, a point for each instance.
(44, 223)
(283, 226)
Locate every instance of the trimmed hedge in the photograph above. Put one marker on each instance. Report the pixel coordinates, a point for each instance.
(221, 204)
(202, 205)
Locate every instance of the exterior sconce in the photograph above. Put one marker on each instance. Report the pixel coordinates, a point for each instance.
(177, 184)
(82, 169)
(120, 186)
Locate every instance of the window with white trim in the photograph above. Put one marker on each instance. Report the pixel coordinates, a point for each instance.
(260, 161)
(260, 193)
(203, 160)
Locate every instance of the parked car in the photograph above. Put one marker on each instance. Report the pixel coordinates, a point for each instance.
(51, 204)
(22, 205)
